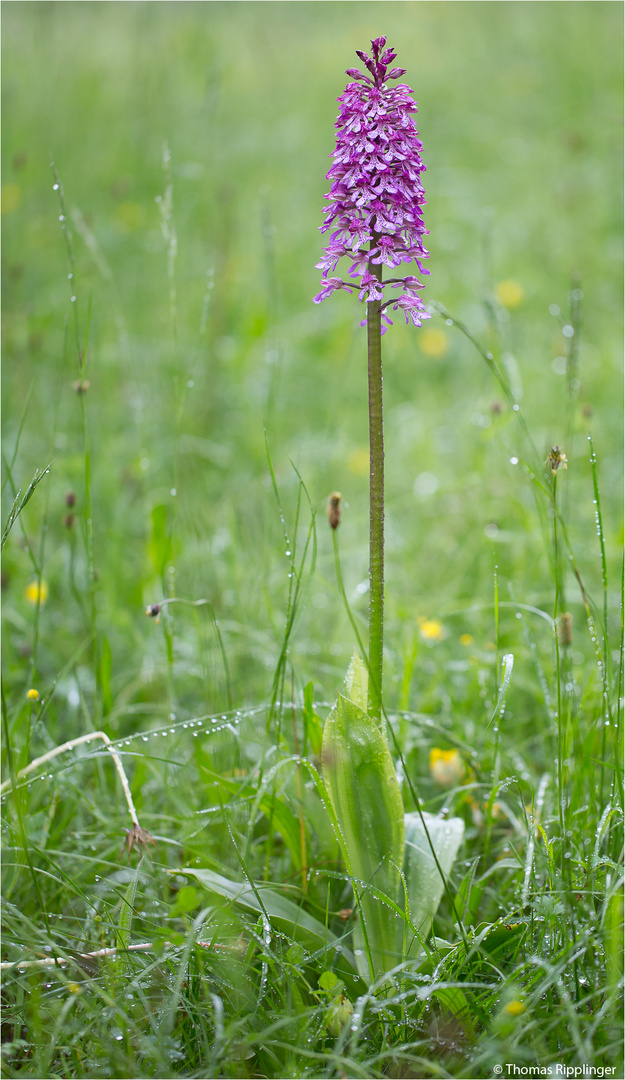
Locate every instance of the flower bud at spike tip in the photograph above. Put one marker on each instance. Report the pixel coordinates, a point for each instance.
(334, 509)
(565, 629)
(376, 197)
(557, 460)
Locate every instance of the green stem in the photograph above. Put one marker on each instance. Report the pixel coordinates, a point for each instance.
(376, 501)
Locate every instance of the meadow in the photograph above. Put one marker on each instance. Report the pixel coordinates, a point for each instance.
(162, 185)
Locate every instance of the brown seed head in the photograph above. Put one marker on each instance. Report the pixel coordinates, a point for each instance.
(70, 499)
(139, 838)
(81, 386)
(334, 509)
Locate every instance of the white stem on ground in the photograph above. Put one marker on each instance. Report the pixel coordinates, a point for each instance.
(70, 745)
(53, 961)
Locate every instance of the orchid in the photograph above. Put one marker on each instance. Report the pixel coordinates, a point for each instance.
(376, 197)
(375, 212)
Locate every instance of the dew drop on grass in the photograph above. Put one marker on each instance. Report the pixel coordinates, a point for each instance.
(145, 738)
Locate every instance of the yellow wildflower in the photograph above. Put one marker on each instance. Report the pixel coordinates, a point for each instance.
(514, 1008)
(129, 217)
(10, 196)
(433, 342)
(510, 293)
(36, 592)
(446, 766)
(466, 639)
(430, 629)
(33, 695)
(358, 461)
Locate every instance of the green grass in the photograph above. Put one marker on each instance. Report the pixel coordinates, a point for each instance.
(194, 326)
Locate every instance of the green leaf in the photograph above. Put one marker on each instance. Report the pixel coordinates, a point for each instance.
(423, 878)
(282, 913)
(187, 899)
(161, 545)
(272, 807)
(330, 982)
(360, 778)
(20, 502)
(312, 723)
(357, 682)
(128, 910)
(106, 664)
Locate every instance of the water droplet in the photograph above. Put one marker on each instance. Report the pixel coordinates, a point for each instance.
(55, 187)
(515, 408)
(514, 461)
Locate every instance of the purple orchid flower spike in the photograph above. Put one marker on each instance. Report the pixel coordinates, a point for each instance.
(376, 197)
(375, 211)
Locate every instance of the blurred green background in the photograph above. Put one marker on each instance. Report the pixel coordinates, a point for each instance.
(202, 326)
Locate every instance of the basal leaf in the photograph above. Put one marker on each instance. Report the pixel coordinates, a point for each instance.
(423, 877)
(360, 778)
